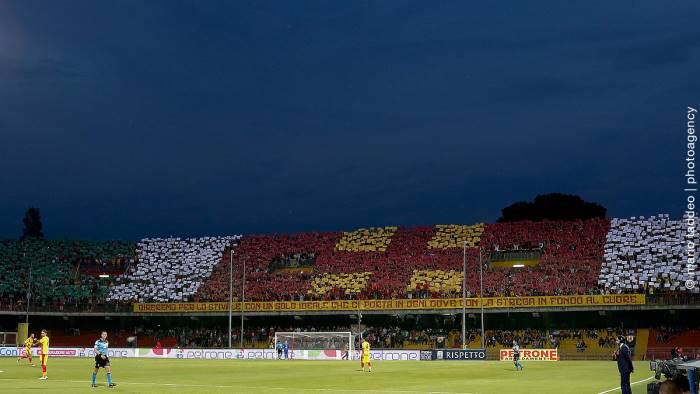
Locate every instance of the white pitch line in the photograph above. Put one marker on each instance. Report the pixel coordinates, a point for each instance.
(633, 383)
(254, 387)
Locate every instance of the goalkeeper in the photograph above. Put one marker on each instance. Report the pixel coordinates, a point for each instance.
(280, 349)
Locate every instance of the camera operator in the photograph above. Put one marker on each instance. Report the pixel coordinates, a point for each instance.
(623, 357)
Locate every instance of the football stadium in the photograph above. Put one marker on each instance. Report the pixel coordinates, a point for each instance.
(304, 196)
(441, 305)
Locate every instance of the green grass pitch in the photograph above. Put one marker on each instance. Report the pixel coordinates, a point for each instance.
(72, 375)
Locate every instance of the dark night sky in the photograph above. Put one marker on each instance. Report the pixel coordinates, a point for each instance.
(125, 119)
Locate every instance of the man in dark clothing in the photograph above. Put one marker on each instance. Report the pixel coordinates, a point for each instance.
(624, 364)
(280, 349)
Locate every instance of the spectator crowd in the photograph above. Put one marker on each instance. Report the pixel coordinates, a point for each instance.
(594, 256)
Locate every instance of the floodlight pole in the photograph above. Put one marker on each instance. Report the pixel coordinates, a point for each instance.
(243, 301)
(29, 285)
(230, 296)
(464, 297)
(359, 320)
(481, 297)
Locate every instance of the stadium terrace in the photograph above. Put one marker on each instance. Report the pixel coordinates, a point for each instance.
(385, 268)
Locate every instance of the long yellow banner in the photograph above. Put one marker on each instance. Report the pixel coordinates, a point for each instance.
(407, 304)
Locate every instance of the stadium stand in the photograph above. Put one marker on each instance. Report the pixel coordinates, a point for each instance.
(391, 269)
(366, 240)
(62, 272)
(646, 254)
(455, 235)
(448, 283)
(170, 269)
(594, 256)
(352, 283)
(570, 261)
(257, 252)
(571, 258)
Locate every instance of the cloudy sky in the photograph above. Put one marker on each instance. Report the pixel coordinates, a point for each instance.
(150, 118)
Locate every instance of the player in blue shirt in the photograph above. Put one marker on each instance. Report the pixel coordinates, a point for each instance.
(286, 350)
(102, 359)
(516, 357)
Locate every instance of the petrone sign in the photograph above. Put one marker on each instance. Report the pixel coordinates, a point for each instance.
(530, 354)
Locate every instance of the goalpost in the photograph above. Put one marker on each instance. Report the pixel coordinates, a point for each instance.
(341, 342)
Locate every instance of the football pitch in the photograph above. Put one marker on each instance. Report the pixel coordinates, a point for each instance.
(72, 375)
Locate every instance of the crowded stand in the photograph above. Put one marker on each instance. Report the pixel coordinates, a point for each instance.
(60, 273)
(647, 255)
(570, 257)
(455, 236)
(256, 252)
(366, 240)
(170, 269)
(294, 262)
(391, 270)
(578, 257)
(339, 284)
(443, 282)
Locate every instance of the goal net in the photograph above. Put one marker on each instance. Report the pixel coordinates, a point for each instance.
(316, 345)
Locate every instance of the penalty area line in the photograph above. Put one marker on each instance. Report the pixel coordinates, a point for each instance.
(631, 384)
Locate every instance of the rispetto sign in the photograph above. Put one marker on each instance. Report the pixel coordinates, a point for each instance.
(459, 354)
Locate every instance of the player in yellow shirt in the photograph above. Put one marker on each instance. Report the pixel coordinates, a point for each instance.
(366, 356)
(44, 354)
(28, 343)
